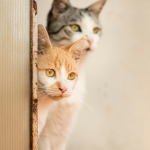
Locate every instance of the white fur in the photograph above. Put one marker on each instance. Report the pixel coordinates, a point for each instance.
(61, 114)
(60, 119)
(45, 101)
(87, 24)
(61, 76)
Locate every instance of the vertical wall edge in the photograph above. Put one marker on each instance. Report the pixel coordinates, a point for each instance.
(34, 103)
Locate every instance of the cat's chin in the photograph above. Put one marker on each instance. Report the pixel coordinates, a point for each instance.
(57, 98)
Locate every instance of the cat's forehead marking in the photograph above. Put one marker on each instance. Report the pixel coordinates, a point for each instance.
(63, 72)
(87, 21)
(78, 15)
(63, 58)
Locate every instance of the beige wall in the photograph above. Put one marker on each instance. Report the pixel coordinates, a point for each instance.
(118, 80)
(15, 75)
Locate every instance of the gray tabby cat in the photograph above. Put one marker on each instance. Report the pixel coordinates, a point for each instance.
(65, 25)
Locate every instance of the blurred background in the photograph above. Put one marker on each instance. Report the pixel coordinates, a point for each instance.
(118, 79)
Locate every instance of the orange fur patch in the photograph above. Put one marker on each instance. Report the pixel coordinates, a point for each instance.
(55, 58)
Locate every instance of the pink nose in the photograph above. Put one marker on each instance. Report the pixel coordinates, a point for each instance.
(90, 42)
(63, 90)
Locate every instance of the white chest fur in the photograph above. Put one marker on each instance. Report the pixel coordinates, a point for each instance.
(60, 119)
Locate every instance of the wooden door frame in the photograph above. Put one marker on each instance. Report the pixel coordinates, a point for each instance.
(34, 103)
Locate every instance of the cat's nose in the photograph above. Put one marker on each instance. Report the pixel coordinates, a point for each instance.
(63, 90)
(90, 42)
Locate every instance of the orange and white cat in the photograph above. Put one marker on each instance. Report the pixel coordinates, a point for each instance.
(65, 25)
(57, 72)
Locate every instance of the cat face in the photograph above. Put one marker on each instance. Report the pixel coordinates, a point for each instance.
(57, 67)
(67, 24)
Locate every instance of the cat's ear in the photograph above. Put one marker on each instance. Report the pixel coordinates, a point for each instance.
(76, 48)
(96, 7)
(43, 40)
(60, 6)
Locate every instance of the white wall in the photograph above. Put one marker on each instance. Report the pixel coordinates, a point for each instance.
(118, 80)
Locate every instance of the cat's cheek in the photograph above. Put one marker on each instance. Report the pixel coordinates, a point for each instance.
(94, 47)
(74, 84)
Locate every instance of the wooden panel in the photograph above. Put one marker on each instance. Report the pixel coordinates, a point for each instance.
(15, 75)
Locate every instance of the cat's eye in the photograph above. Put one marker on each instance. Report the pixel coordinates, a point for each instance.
(75, 28)
(50, 73)
(71, 76)
(95, 30)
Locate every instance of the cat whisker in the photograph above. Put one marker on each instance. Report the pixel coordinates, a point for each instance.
(79, 106)
(41, 91)
(53, 94)
(43, 99)
(88, 106)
